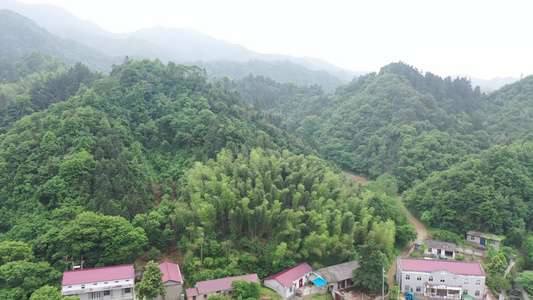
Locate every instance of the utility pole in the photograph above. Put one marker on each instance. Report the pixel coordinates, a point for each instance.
(383, 285)
(202, 251)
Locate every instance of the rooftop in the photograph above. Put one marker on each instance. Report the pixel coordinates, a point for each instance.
(456, 267)
(485, 235)
(339, 272)
(215, 285)
(288, 276)
(98, 274)
(171, 272)
(440, 245)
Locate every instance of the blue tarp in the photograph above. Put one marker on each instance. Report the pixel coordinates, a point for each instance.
(319, 282)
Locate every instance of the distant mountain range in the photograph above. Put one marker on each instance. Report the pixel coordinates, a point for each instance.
(184, 46)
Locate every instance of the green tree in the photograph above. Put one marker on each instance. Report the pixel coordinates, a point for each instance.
(245, 290)
(369, 275)
(50, 293)
(151, 284)
(525, 280)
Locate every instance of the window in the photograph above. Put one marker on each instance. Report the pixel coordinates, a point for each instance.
(418, 289)
(95, 283)
(473, 238)
(193, 297)
(465, 292)
(454, 280)
(70, 286)
(418, 278)
(407, 277)
(477, 293)
(95, 295)
(406, 288)
(478, 281)
(443, 279)
(430, 250)
(205, 296)
(106, 282)
(466, 281)
(116, 281)
(107, 293)
(430, 278)
(83, 286)
(127, 290)
(127, 280)
(290, 290)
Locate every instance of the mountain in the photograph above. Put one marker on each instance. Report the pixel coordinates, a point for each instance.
(490, 85)
(19, 35)
(167, 44)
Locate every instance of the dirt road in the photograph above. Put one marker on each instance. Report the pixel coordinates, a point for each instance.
(422, 234)
(419, 227)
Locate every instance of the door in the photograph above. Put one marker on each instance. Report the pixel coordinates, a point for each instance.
(482, 241)
(301, 282)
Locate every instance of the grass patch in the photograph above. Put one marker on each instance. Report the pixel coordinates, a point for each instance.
(266, 292)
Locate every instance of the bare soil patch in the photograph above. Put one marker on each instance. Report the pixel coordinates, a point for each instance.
(358, 179)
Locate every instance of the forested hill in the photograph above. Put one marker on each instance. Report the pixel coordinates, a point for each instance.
(109, 167)
(491, 192)
(20, 35)
(397, 121)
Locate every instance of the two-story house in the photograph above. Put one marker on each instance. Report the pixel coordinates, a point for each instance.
(100, 283)
(440, 279)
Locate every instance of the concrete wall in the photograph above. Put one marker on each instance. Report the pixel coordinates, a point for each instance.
(468, 251)
(277, 287)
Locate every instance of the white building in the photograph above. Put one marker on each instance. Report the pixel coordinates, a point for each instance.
(100, 283)
(440, 279)
(286, 282)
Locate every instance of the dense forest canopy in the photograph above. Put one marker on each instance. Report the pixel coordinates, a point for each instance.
(156, 158)
(151, 156)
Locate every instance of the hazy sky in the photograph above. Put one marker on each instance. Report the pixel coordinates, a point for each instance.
(484, 39)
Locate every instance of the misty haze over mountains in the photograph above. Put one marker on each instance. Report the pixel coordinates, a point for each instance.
(191, 47)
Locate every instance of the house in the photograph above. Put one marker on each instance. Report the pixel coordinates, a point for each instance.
(440, 279)
(440, 249)
(100, 283)
(286, 282)
(222, 286)
(173, 281)
(339, 276)
(483, 240)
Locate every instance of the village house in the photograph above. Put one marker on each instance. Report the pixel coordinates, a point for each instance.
(172, 280)
(440, 279)
(483, 240)
(440, 249)
(286, 282)
(339, 276)
(222, 286)
(100, 283)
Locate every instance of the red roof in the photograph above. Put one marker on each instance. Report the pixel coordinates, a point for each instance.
(215, 285)
(98, 274)
(431, 265)
(288, 276)
(171, 272)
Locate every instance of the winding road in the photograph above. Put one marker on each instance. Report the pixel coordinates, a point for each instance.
(419, 227)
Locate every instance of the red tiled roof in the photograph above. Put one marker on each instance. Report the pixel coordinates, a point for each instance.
(171, 272)
(288, 276)
(431, 265)
(98, 274)
(215, 285)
